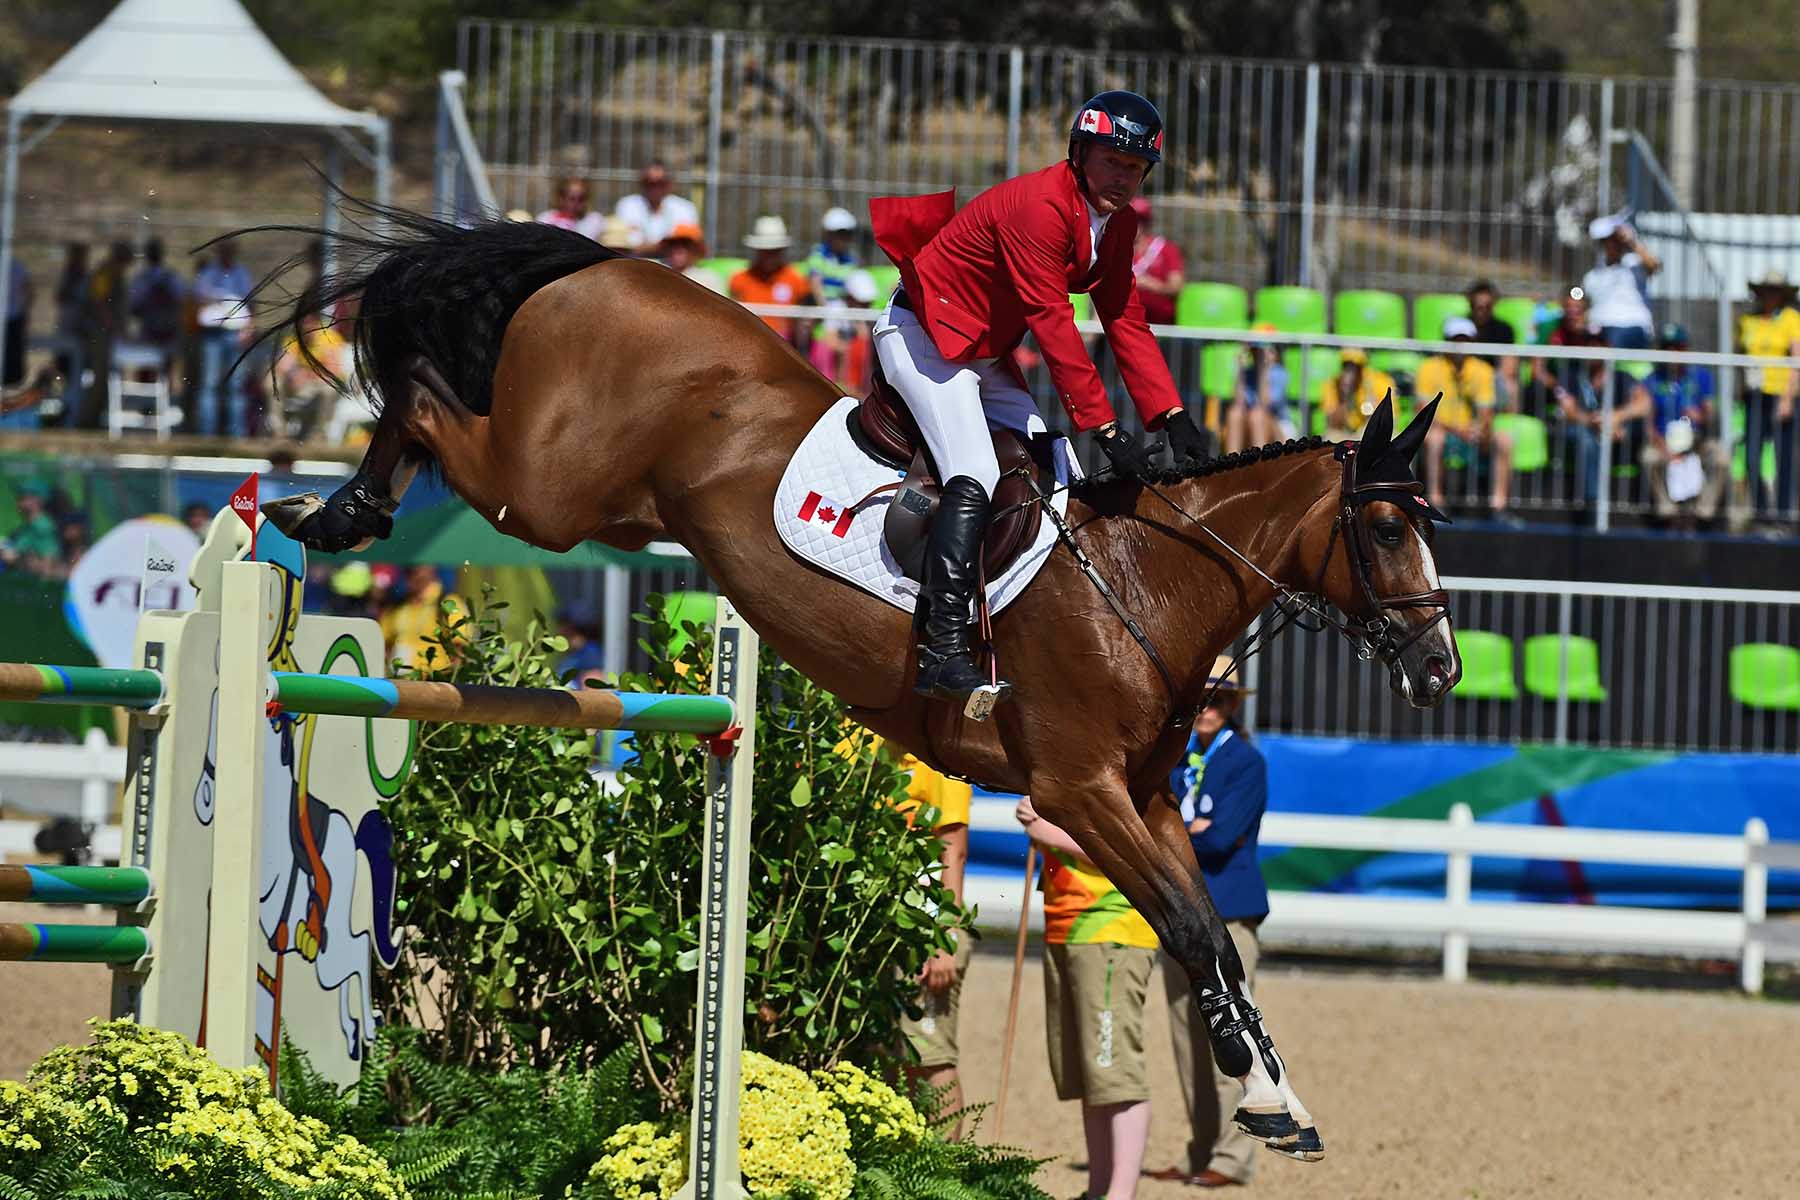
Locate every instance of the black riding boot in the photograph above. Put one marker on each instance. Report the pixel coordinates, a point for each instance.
(946, 665)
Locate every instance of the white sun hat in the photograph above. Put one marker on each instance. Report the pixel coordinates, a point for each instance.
(768, 233)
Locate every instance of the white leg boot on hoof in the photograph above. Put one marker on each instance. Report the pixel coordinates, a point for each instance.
(1270, 1112)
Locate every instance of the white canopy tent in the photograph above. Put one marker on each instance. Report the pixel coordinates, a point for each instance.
(181, 60)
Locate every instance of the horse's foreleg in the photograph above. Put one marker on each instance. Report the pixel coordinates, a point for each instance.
(1270, 1112)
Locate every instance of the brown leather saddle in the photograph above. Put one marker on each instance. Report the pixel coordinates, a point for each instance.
(883, 427)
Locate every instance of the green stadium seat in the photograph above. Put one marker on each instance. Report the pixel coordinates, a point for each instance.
(1766, 675)
(1739, 421)
(1637, 370)
(1291, 309)
(1521, 313)
(1084, 308)
(1530, 439)
(886, 279)
(1369, 314)
(1212, 306)
(1219, 363)
(1487, 666)
(1396, 361)
(1430, 311)
(724, 266)
(1324, 365)
(1543, 668)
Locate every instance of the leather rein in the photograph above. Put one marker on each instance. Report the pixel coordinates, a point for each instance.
(1374, 635)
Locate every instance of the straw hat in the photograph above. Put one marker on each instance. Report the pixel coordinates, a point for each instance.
(616, 233)
(1774, 279)
(1224, 677)
(768, 233)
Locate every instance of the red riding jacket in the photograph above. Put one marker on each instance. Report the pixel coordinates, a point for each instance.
(980, 278)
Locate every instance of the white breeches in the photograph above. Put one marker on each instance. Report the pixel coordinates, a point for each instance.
(954, 403)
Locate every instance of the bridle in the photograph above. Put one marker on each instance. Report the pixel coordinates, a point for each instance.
(1373, 633)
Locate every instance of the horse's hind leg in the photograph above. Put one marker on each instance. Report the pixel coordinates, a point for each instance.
(361, 510)
(1270, 1112)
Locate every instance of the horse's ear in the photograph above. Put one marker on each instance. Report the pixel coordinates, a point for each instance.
(1413, 436)
(1379, 430)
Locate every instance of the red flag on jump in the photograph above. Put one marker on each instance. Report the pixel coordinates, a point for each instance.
(243, 503)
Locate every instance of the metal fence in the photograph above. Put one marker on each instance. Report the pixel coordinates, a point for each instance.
(1332, 176)
(1659, 676)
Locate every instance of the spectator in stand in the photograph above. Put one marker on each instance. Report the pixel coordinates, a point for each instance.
(1158, 266)
(571, 211)
(1574, 386)
(833, 258)
(33, 546)
(771, 279)
(109, 311)
(1222, 786)
(1618, 289)
(840, 347)
(654, 210)
(221, 291)
(615, 234)
(1772, 331)
(412, 626)
(1098, 956)
(1261, 409)
(18, 308)
(1492, 330)
(1465, 418)
(309, 368)
(1686, 467)
(72, 542)
(72, 295)
(682, 251)
(1350, 397)
(198, 518)
(156, 300)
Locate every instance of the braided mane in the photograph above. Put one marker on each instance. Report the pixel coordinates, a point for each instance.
(1218, 464)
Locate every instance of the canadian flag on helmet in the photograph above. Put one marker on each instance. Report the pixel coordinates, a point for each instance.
(1156, 142)
(1095, 121)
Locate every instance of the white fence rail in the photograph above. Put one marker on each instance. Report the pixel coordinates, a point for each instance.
(62, 780)
(1745, 934)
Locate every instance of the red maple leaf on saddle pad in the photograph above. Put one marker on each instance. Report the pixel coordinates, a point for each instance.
(818, 508)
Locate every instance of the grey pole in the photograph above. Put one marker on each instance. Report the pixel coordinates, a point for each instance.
(715, 119)
(7, 208)
(1309, 170)
(384, 164)
(1686, 45)
(1015, 89)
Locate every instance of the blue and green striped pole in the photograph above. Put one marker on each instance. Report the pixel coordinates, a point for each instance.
(472, 704)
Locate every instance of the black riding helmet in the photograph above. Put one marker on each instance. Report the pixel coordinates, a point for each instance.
(1123, 120)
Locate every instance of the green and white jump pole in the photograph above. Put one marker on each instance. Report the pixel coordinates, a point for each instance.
(250, 607)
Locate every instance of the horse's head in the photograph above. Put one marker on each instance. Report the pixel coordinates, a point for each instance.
(1376, 563)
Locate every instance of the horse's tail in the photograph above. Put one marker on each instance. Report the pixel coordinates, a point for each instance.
(409, 284)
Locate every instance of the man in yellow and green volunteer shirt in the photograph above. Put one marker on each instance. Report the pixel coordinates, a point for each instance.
(1771, 331)
(1465, 417)
(1098, 957)
(933, 1034)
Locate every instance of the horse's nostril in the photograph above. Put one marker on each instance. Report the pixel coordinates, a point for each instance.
(1437, 673)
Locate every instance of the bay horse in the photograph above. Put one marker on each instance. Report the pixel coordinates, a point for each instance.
(568, 393)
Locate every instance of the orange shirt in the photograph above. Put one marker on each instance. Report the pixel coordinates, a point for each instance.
(788, 286)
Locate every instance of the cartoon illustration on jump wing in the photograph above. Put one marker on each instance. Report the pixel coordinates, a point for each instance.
(327, 878)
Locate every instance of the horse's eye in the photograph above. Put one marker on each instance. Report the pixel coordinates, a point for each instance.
(1389, 531)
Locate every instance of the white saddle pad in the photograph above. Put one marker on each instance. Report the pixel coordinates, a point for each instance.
(822, 515)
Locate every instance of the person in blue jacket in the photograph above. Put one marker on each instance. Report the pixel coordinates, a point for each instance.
(1222, 784)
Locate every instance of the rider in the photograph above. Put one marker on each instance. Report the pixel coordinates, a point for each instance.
(973, 283)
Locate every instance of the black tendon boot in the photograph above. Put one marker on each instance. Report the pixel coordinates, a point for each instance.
(947, 668)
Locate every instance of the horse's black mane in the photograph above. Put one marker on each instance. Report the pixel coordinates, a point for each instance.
(1216, 465)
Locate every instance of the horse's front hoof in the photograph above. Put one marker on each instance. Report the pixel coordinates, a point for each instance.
(1306, 1147)
(1268, 1127)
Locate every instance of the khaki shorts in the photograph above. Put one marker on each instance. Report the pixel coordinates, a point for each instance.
(933, 1035)
(1094, 1021)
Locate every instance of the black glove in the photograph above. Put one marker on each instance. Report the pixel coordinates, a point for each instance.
(1130, 457)
(1188, 444)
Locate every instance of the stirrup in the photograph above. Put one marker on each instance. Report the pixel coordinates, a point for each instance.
(977, 693)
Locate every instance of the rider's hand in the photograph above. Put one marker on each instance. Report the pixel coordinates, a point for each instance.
(1186, 442)
(1129, 457)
